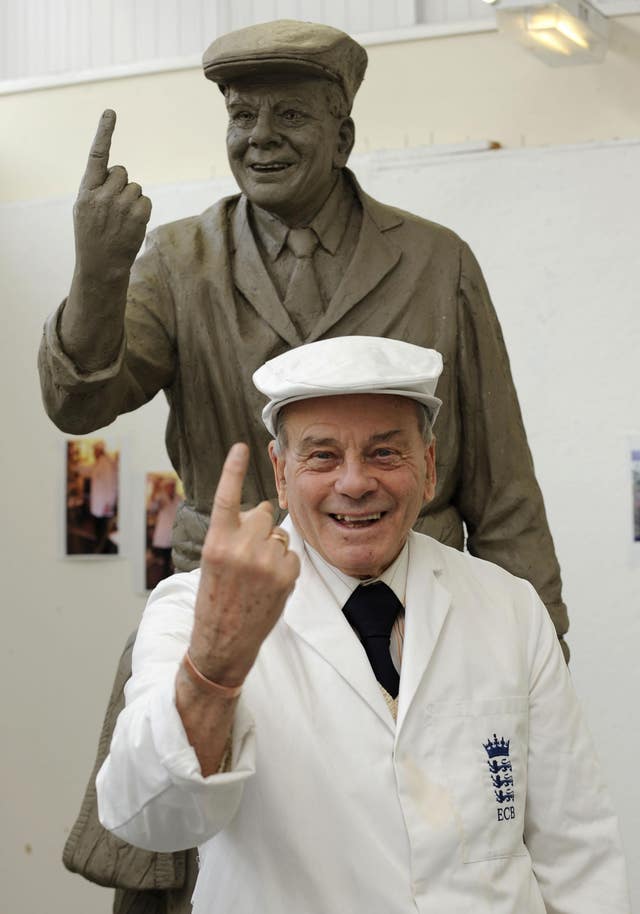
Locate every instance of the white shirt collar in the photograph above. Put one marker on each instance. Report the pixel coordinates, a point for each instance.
(341, 585)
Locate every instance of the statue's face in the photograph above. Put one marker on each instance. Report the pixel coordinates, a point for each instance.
(284, 145)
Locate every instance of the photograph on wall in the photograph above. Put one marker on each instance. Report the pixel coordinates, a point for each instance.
(91, 502)
(163, 497)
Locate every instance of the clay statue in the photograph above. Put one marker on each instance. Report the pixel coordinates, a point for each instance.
(300, 254)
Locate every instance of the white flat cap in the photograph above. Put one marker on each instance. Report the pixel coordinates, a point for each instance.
(349, 365)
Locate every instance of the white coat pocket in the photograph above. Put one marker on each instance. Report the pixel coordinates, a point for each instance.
(485, 745)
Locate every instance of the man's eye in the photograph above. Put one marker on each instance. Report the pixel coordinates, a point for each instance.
(243, 117)
(291, 116)
(386, 456)
(322, 460)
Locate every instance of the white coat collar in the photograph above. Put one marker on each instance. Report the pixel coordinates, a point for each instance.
(312, 613)
(427, 605)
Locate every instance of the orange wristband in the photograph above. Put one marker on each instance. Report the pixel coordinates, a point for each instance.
(212, 687)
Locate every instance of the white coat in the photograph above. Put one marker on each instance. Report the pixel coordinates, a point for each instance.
(330, 807)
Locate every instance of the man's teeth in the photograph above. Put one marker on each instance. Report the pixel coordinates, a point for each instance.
(351, 519)
(275, 166)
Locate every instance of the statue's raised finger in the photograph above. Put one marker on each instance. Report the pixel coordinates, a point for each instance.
(97, 168)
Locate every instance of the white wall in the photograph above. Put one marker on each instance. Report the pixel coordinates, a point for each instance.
(444, 90)
(572, 356)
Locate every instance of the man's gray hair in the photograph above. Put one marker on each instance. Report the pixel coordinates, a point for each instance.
(425, 425)
(423, 416)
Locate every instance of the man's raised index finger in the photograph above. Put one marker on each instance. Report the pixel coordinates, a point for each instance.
(228, 497)
(98, 163)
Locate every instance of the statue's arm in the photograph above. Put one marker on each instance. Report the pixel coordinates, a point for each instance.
(499, 497)
(80, 400)
(109, 348)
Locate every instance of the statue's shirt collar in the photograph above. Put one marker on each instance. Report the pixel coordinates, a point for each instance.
(330, 222)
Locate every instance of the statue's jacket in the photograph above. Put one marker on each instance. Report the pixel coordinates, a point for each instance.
(202, 314)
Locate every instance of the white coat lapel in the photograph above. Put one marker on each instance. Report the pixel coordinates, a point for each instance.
(427, 606)
(311, 612)
(251, 278)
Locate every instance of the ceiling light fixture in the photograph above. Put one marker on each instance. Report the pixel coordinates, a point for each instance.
(565, 32)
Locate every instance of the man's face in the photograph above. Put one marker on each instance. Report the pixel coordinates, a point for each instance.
(284, 145)
(353, 476)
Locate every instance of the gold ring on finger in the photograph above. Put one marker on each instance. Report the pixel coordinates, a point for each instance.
(281, 536)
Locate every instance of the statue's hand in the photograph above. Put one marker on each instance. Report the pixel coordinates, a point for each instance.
(110, 214)
(247, 573)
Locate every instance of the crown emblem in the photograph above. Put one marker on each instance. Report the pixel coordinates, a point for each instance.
(497, 747)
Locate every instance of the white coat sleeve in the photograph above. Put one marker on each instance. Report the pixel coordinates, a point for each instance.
(151, 791)
(571, 830)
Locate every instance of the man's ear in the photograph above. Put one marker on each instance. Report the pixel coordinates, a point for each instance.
(344, 144)
(430, 476)
(278, 464)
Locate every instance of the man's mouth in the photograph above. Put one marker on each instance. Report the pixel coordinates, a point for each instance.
(355, 521)
(269, 167)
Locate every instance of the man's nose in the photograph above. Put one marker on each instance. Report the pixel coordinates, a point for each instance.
(355, 479)
(264, 132)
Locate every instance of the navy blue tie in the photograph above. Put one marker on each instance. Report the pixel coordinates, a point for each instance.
(371, 610)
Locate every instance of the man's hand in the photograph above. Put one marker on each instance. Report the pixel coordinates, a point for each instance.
(247, 573)
(110, 214)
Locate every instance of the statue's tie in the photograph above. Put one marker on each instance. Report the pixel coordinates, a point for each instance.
(371, 610)
(303, 300)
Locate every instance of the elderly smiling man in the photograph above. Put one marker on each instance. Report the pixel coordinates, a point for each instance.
(345, 715)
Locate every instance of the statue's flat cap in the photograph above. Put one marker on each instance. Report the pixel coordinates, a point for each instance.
(287, 46)
(349, 365)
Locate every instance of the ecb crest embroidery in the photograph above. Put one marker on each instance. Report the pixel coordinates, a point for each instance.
(501, 771)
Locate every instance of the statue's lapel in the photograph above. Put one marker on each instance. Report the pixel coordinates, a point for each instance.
(374, 257)
(252, 280)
